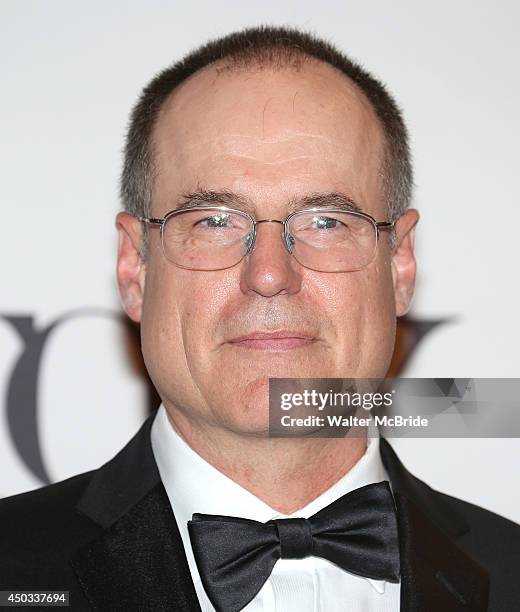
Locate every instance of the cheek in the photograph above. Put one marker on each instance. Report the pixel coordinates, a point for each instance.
(187, 311)
(379, 319)
(160, 330)
(355, 299)
(384, 285)
(179, 318)
(360, 306)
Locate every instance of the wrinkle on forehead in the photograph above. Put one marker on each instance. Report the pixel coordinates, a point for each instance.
(231, 143)
(243, 124)
(249, 103)
(287, 145)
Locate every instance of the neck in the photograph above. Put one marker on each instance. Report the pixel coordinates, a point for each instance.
(286, 474)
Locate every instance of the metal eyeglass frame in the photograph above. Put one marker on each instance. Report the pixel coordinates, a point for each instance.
(287, 237)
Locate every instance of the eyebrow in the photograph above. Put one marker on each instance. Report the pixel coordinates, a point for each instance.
(204, 197)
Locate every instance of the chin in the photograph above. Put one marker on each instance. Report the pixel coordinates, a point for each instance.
(248, 420)
(247, 411)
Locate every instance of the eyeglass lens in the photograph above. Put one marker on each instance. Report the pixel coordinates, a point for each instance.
(329, 241)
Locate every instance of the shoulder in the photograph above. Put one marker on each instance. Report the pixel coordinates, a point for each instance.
(491, 538)
(44, 506)
(39, 530)
(453, 515)
(494, 542)
(480, 518)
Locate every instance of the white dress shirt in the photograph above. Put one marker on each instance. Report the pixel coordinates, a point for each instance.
(295, 585)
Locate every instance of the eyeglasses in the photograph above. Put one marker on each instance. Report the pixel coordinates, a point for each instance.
(218, 237)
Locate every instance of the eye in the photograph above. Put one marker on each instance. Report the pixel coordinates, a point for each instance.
(311, 223)
(325, 222)
(219, 220)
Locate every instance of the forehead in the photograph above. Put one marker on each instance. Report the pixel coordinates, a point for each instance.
(268, 135)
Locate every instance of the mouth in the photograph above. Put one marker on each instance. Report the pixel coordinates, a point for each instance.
(283, 340)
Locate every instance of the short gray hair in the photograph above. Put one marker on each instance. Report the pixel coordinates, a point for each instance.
(279, 47)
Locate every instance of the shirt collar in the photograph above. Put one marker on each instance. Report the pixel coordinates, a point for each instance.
(194, 485)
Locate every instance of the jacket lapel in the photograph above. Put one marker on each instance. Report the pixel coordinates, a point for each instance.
(138, 562)
(435, 573)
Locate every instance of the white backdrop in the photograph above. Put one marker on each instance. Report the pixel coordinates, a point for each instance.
(70, 73)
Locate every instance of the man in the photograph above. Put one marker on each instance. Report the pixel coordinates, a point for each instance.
(246, 163)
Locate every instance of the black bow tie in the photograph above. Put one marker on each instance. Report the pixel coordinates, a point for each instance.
(235, 556)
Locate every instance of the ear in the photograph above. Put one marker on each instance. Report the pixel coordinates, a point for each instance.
(403, 261)
(131, 269)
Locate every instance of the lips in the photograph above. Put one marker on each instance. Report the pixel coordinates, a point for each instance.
(281, 340)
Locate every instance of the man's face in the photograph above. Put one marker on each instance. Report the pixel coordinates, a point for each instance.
(272, 138)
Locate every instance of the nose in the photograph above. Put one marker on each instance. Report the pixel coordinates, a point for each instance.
(269, 269)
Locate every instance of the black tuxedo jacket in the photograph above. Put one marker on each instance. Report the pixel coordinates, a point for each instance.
(109, 537)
